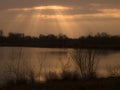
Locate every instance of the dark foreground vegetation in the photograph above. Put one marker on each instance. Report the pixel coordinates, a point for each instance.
(93, 84)
(99, 41)
(23, 77)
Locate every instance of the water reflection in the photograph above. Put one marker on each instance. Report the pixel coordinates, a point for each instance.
(44, 60)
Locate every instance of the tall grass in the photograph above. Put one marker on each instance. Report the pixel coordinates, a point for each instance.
(41, 62)
(18, 69)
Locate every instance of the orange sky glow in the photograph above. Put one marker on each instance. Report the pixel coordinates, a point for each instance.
(54, 18)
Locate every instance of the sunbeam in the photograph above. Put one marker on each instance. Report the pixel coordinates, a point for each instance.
(53, 18)
(33, 22)
(35, 19)
(66, 26)
(17, 20)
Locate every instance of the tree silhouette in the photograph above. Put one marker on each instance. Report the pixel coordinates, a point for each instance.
(1, 33)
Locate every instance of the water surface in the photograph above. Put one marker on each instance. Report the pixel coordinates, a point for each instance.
(49, 59)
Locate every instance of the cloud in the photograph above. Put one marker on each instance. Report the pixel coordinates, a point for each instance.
(6, 4)
(49, 11)
(111, 12)
(54, 12)
(51, 7)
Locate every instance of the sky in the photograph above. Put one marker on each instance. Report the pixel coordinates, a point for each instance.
(71, 17)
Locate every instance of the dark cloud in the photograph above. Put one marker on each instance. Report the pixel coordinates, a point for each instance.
(5, 4)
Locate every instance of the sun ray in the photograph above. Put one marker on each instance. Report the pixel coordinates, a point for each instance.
(33, 22)
(17, 21)
(36, 16)
(66, 26)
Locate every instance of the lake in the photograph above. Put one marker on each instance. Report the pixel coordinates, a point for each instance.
(44, 60)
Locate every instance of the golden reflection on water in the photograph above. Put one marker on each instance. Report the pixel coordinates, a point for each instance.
(54, 60)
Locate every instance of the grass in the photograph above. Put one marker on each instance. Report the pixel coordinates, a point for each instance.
(111, 83)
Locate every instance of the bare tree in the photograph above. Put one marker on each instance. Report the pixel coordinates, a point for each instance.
(114, 70)
(86, 62)
(65, 66)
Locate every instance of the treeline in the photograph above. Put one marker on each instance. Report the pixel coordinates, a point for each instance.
(99, 41)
